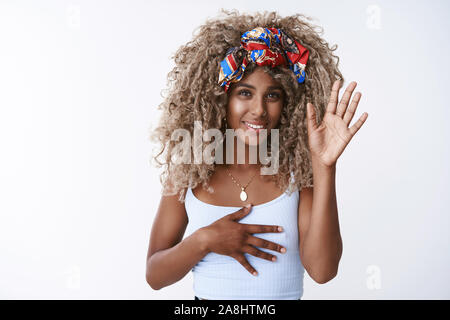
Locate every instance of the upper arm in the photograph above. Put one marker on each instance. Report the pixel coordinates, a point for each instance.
(304, 215)
(169, 224)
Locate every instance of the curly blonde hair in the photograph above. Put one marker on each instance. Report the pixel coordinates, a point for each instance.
(194, 95)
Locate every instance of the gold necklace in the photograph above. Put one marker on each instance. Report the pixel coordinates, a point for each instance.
(243, 195)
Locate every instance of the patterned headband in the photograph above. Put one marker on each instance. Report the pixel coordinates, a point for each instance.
(264, 46)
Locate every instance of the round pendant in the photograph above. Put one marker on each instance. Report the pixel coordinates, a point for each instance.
(243, 195)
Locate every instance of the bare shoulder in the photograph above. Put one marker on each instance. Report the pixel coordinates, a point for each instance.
(169, 224)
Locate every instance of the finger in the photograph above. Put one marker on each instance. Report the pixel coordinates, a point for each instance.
(345, 99)
(262, 243)
(350, 112)
(358, 124)
(242, 260)
(260, 254)
(311, 115)
(332, 103)
(240, 213)
(261, 228)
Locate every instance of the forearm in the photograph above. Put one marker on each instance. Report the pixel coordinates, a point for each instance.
(167, 266)
(322, 247)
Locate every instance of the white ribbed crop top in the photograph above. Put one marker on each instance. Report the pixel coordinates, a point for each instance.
(220, 277)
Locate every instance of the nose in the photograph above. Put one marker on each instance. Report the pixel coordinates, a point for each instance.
(258, 108)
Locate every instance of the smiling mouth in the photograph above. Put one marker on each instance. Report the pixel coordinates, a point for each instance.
(254, 127)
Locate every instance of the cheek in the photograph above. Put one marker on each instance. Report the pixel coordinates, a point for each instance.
(235, 111)
(275, 115)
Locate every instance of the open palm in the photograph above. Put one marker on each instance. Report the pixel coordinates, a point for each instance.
(328, 140)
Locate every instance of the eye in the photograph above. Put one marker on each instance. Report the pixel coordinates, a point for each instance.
(244, 93)
(274, 95)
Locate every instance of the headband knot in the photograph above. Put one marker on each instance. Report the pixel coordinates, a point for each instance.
(263, 46)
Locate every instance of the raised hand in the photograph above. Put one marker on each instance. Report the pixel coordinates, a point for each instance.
(328, 140)
(228, 237)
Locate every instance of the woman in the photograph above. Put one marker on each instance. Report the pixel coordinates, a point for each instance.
(244, 233)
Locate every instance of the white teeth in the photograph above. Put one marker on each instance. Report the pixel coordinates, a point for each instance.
(254, 126)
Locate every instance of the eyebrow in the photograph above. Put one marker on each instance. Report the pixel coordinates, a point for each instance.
(239, 84)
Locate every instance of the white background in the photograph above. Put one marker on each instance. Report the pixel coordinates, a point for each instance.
(79, 85)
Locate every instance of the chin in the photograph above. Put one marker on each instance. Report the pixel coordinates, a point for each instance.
(250, 136)
(252, 141)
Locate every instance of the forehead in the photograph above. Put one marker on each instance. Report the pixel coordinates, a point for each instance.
(257, 75)
(257, 78)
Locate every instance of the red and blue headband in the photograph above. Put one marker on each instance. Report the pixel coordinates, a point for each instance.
(264, 46)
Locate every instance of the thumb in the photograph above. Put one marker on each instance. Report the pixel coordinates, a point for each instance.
(311, 116)
(238, 215)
